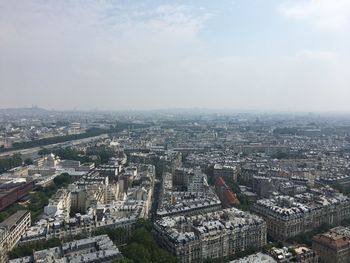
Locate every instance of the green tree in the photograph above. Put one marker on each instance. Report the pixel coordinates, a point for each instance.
(137, 253)
(11, 162)
(144, 248)
(43, 151)
(118, 235)
(62, 180)
(27, 249)
(123, 260)
(28, 161)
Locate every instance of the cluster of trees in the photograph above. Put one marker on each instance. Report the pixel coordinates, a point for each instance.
(36, 205)
(67, 154)
(13, 161)
(10, 211)
(209, 171)
(142, 247)
(44, 151)
(118, 127)
(101, 155)
(244, 201)
(118, 235)
(62, 180)
(27, 249)
(267, 248)
(28, 161)
(306, 238)
(344, 189)
(10, 162)
(58, 139)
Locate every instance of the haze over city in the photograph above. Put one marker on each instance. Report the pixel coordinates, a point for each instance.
(288, 55)
(159, 131)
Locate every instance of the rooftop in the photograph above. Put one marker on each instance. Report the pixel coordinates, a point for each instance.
(14, 219)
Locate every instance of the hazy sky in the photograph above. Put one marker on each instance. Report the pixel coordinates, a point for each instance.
(238, 54)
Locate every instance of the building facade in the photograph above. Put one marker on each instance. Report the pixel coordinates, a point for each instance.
(333, 246)
(215, 235)
(11, 231)
(287, 217)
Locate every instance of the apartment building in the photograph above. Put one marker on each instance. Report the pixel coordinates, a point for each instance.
(289, 216)
(94, 250)
(333, 246)
(213, 235)
(11, 231)
(59, 205)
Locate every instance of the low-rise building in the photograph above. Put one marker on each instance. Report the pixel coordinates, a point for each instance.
(94, 249)
(256, 258)
(300, 254)
(59, 205)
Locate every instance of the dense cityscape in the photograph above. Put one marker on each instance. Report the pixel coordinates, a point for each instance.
(174, 131)
(173, 186)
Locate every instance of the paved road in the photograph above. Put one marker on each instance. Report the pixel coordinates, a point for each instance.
(157, 196)
(34, 150)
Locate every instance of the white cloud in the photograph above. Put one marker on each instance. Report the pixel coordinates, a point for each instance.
(323, 14)
(96, 27)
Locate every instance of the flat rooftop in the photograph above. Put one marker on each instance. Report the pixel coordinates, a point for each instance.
(13, 219)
